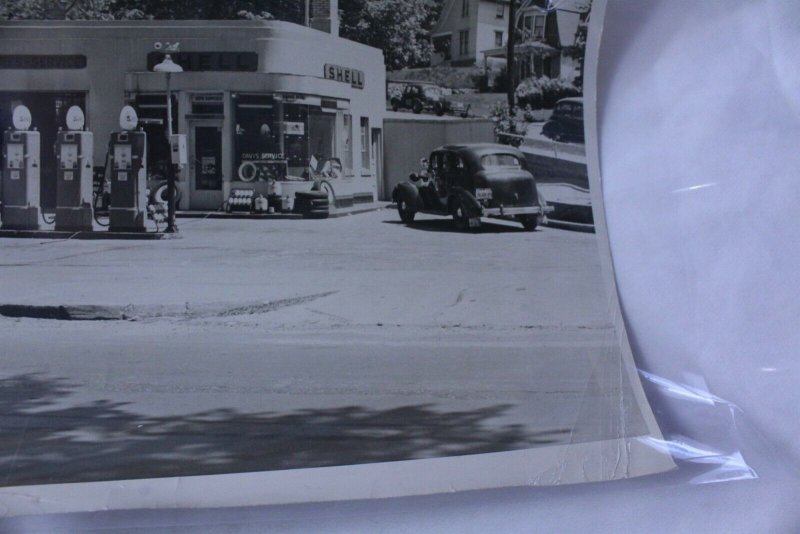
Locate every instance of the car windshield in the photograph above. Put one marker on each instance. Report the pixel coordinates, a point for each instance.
(433, 92)
(490, 161)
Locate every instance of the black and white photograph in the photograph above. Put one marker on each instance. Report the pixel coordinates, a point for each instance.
(320, 249)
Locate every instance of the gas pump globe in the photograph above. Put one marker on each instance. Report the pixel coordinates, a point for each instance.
(20, 185)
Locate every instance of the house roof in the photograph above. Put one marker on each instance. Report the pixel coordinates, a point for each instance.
(579, 6)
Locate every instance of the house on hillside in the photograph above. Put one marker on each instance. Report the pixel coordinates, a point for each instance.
(545, 40)
(465, 28)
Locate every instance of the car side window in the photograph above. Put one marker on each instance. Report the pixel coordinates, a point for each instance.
(436, 162)
(452, 162)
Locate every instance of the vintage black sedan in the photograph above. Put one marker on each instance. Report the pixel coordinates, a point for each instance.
(472, 181)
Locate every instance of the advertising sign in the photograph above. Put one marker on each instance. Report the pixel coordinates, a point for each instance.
(294, 128)
(345, 75)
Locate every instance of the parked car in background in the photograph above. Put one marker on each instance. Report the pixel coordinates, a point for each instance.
(472, 181)
(429, 97)
(566, 122)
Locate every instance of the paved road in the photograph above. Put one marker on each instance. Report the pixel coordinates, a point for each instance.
(327, 342)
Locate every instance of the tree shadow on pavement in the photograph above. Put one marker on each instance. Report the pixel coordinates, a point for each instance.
(447, 226)
(44, 439)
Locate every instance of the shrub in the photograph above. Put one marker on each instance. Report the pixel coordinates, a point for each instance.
(544, 92)
(505, 123)
(528, 114)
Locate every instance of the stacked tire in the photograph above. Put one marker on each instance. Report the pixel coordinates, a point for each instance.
(312, 204)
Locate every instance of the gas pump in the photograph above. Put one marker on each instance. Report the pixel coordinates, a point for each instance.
(74, 153)
(20, 191)
(128, 157)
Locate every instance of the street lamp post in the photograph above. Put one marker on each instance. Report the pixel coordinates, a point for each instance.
(168, 67)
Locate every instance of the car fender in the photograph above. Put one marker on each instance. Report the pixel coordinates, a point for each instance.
(468, 200)
(409, 194)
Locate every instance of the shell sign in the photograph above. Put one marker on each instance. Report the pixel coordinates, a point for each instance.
(345, 75)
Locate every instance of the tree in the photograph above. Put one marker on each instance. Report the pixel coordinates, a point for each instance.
(66, 9)
(401, 28)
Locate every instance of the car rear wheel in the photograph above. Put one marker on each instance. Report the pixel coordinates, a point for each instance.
(406, 215)
(416, 107)
(530, 222)
(460, 217)
(439, 109)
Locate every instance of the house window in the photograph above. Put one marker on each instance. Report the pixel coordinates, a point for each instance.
(364, 145)
(533, 26)
(498, 39)
(465, 8)
(501, 11)
(538, 27)
(463, 42)
(441, 45)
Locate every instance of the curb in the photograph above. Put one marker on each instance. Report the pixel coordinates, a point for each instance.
(333, 214)
(234, 215)
(63, 313)
(566, 225)
(89, 235)
(91, 312)
(356, 211)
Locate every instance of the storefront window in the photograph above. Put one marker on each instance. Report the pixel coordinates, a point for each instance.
(303, 137)
(295, 137)
(257, 144)
(364, 145)
(152, 112)
(322, 136)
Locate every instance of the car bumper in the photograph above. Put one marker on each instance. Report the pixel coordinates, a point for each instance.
(524, 210)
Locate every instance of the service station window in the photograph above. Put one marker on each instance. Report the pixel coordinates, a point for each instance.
(348, 144)
(321, 136)
(257, 143)
(365, 145)
(295, 137)
(302, 135)
(152, 111)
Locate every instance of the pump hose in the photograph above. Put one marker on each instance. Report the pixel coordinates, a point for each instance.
(96, 195)
(94, 213)
(52, 221)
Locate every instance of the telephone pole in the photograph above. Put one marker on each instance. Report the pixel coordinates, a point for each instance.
(512, 15)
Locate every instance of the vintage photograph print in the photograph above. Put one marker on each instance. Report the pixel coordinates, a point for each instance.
(277, 238)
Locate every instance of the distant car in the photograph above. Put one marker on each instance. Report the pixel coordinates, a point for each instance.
(566, 122)
(471, 181)
(421, 96)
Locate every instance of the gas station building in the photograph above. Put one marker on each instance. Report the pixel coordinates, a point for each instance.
(251, 93)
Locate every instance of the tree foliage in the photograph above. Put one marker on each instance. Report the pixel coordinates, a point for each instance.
(401, 28)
